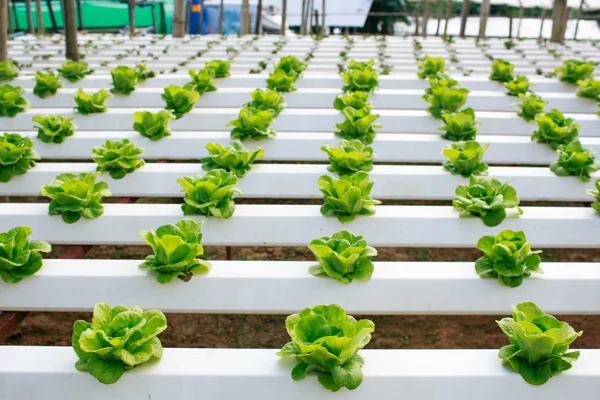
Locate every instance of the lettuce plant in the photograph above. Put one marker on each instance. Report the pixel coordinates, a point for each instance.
(441, 80)
(575, 70)
(459, 126)
(16, 155)
(358, 124)
(487, 198)
(430, 67)
(360, 65)
(54, 128)
(74, 71)
(220, 67)
(234, 158)
(348, 196)
(595, 193)
(20, 257)
(252, 124)
(210, 195)
(445, 99)
(12, 101)
(366, 80)
(154, 126)
(539, 343)
(76, 196)
(589, 88)
(176, 248)
(574, 159)
(179, 100)
(356, 100)
(291, 64)
(282, 81)
(46, 84)
(202, 80)
(8, 70)
(502, 71)
(91, 103)
(507, 257)
(531, 106)
(343, 257)
(326, 341)
(143, 72)
(465, 158)
(124, 79)
(520, 85)
(267, 100)
(349, 156)
(118, 339)
(118, 158)
(555, 129)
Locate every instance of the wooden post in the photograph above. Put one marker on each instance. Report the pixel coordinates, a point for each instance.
(323, 26)
(201, 30)
(259, 17)
(222, 17)
(426, 13)
(40, 17)
(245, 17)
(179, 18)
(542, 23)
(510, 22)
(29, 13)
(72, 49)
(3, 34)
(309, 18)
(463, 17)
(578, 19)
(440, 15)
(483, 17)
(317, 30)
(11, 28)
(303, 18)
(520, 19)
(284, 17)
(559, 11)
(131, 17)
(448, 15)
(417, 15)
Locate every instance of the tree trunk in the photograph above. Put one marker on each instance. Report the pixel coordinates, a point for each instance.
(29, 13)
(578, 19)
(521, 11)
(323, 26)
(222, 17)
(448, 16)
(40, 17)
(417, 15)
(463, 17)
(483, 17)
(179, 18)
(3, 34)
(132, 17)
(559, 12)
(259, 17)
(542, 24)
(440, 15)
(284, 17)
(426, 13)
(245, 17)
(70, 30)
(510, 23)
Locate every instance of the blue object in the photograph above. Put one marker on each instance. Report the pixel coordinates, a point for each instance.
(232, 18)
(196, 7)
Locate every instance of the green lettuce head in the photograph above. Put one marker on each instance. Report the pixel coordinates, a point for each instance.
(54, 128)
(176, 248)
(539, 344)
(234, 158)
(326, 341)
(589, 89)
(12, 101)
(291, 64)
(74, 71)
(210, 195)
(20, 257)
(575, 70)
(349, 157)
(507, 257)
(8, 70)
(91, 103)
(118, 339)
(595, 193)
(574, 159)
(343, 257)
(465, 158)
(179, 100)
(46, 84)
(16, 156)
(555, 129)
(360, 80)
(252, 124)
(118, 158)
(282, 81)
(124, 79)
(348, 196)
(441, 80)
(358, 124)
(356, 100)
(154, 126)
(502, 71)
(430, 67)
(520, 85)
(531, 106)
(202, 81)
(445, 99)
(267, 100)
(459, 126)
(220, 67)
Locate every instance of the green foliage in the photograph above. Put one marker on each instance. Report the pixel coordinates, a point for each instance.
(520, 85)
(502, 71)
(210, 195)
(220, 67)
(356, 100)
(589, 88)
(234, 158)
(445, 99)
(179, 100)
(326, 341)
(465, 158)
(574, 159)
(12, 101)
(20, 257)
(573, 71)
(74, 71)
(507, 257)
(366, 80)
(441, 80)
(360, 65)
(358, 124)
(459, 126)
(343, 257)
(143, 72)
(487, 198)
(91, 103)
(349, 156)
(202, 80)
(430, 67)
(509, 44)
(118, 339)
(16, 155)
(267, 100)
(175, 247)
(291, 64)
(252, 124)
(595, 193)
(555, 129)
(46, 84)
(282, 81)
(124, 79)
(8, 70)
(531, 106)
(75, 196)
(118, 158)
(54, 128)
(154, 126)
(539, 343)
(348, 196)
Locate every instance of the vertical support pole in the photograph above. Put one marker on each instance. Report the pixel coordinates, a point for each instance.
(317, 30)
(79, 15)
(448, 16)
(542, 24)
(283, 17)
(466, 6)
(417, 15)
(521, 10)
(188, 16)
(426, 13)
(259, 16)
(3, 34)
(131, 17)
(323, 25)
(72, 49)
(40, 17)
(303, 18)
(309, 19)
(11, 28)
(440, 15)
(510, 22)
(222, 17)
(559, 11)
(201, 30)
(579, 10)
(179, 18)
(483, 17)
(29, 13)
(245, 17)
